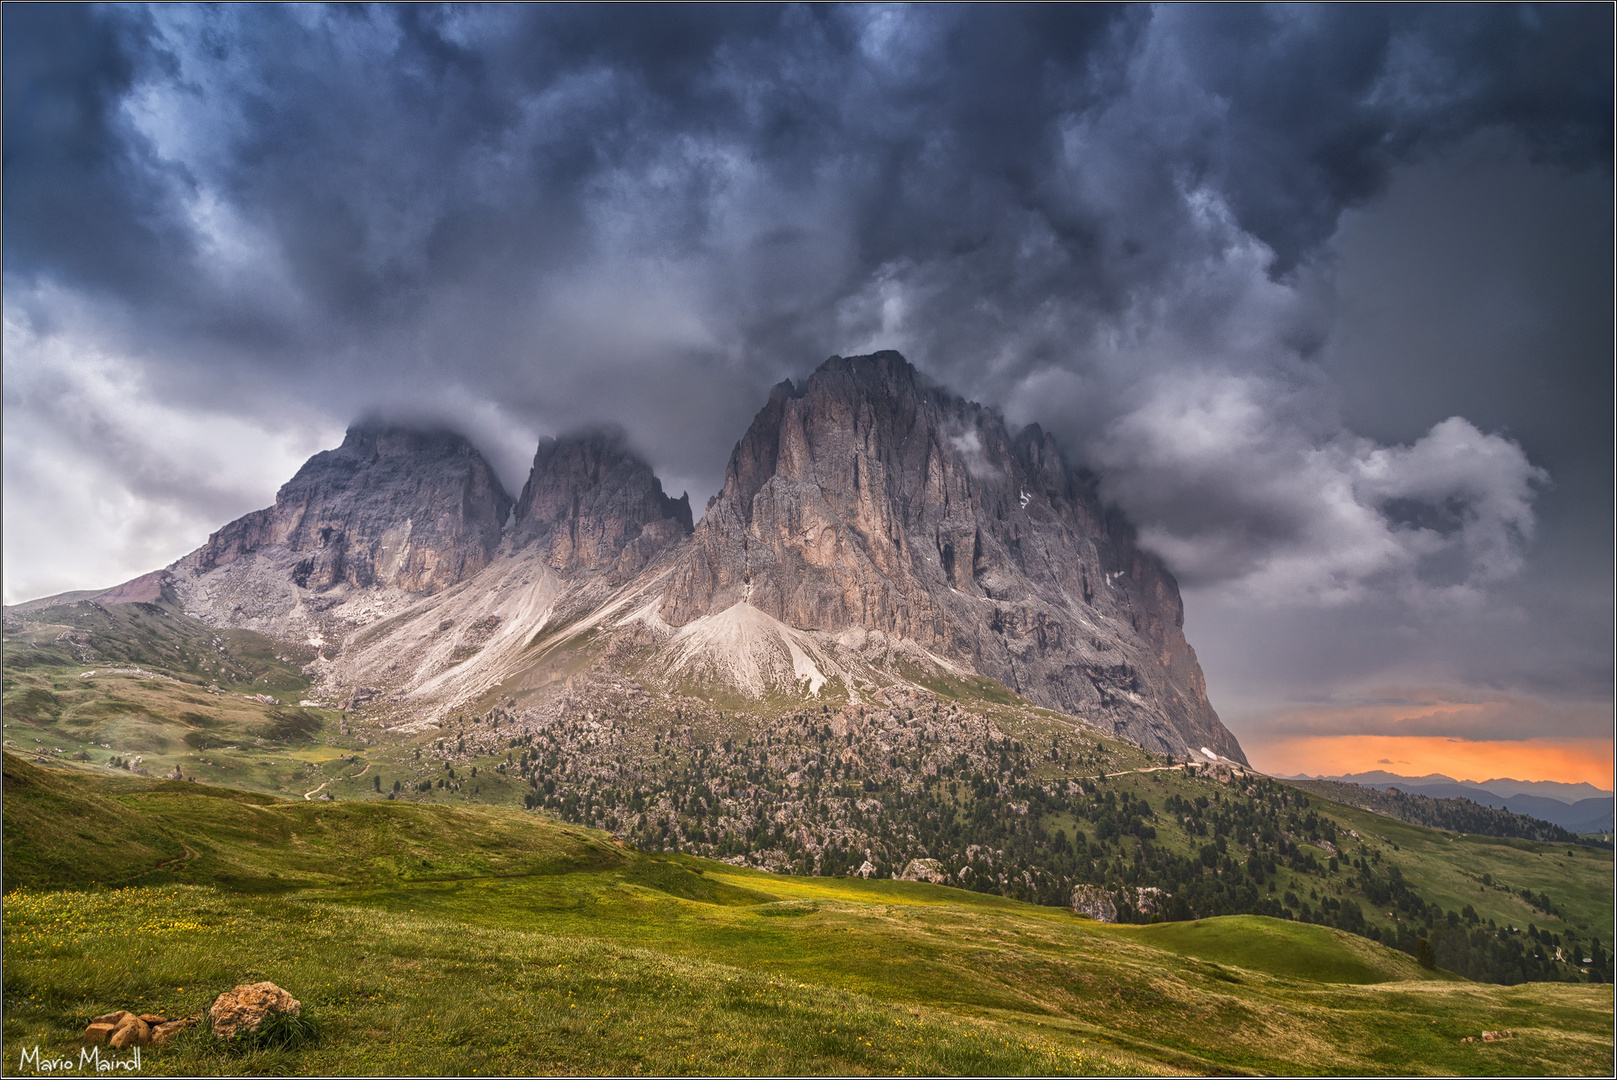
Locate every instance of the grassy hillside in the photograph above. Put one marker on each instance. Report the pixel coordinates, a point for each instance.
(144, 689)
(157, 635)
(1006, 798)
(432, 939)
(66, 829)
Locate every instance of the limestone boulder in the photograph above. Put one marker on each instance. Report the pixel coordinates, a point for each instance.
(244, 1008)
(162, 1033)
(102, 1027)
(1148, 899)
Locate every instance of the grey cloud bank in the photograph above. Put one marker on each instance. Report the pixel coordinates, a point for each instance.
(1323, 292)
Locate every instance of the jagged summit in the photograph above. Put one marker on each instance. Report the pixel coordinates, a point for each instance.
(870, 498)
(592, 503)
(418, 509)
(873, 528)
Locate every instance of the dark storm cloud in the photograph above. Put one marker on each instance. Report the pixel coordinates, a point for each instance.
(398, 161)
(1166, 233)
(87, 198)
(1322, 101)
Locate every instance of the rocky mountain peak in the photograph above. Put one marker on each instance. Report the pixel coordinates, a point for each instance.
(408, 507)
(871, 498)
(592, 503)
(871, 521)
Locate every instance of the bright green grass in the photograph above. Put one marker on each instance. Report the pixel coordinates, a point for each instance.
(65, 828)
(318, 755)
(1289, 950)
(432, 939)
(421, 995)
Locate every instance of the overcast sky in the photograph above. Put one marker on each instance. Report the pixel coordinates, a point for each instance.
(1324, 294)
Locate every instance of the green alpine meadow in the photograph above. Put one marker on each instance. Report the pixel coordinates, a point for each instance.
(430, 923)
(437, 939)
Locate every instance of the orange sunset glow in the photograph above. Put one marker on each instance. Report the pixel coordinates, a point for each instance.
(1565, 760)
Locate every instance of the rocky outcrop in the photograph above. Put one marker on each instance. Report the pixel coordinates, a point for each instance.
(591, 503)
(1101, 904)
(930, 870)
(413, 509)
(1148, 899)
(869, 498)
(123, 1029)
(1094, 901)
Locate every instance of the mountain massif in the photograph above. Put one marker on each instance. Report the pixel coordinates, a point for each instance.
(904, 641)
(874, 529)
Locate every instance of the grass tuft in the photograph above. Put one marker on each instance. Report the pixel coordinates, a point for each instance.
(277, 1031)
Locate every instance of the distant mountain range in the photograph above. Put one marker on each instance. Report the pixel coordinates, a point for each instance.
(1580, 808)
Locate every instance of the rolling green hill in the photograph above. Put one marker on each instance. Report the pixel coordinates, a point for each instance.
(1008, 799)
(144, 689)
(432, 939)
(1010, 802)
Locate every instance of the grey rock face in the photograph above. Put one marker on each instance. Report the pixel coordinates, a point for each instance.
(591, 503)
(1094, 901)
(417, 510)
(870, 498)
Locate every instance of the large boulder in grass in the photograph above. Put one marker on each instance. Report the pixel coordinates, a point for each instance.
(98, 1033)
(246, 1007)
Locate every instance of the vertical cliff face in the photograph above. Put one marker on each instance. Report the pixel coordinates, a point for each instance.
(870, 498)
(417, 510)
(591, 503)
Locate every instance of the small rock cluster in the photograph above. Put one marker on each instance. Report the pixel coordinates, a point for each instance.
(235, 1011)
(123, 1029)
(1490, 1036)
